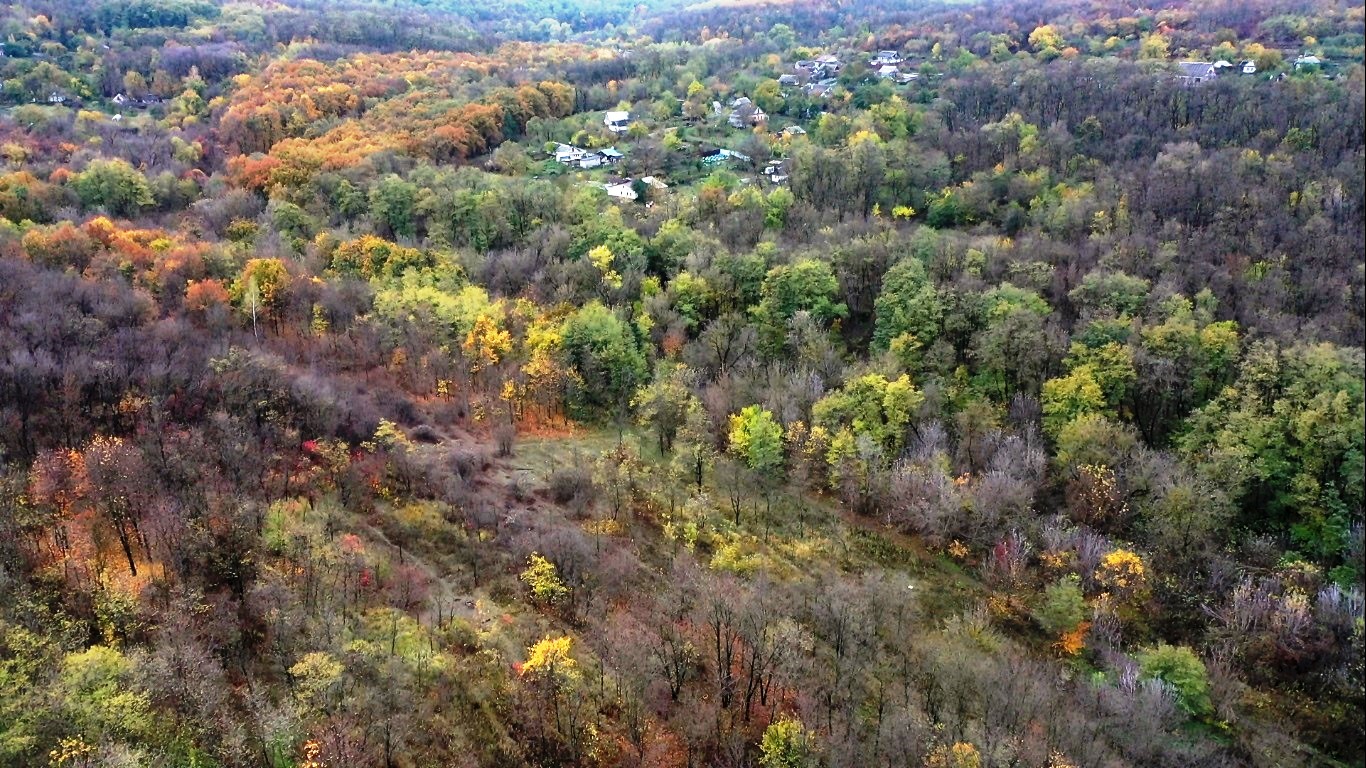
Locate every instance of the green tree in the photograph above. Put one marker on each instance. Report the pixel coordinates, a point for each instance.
(777, 205)
(1179, 667)
(949, 208)
(1092, 438)
(99, 698)
(1225, 50)
(1183, 362)
(441, 306)
(1286, 441)
(262, 289)
(1267, 59)
(786, 744)
(908, 303)
(293, 223)
(695, 453)
(1013, 351)
(782, 36)
(757, 439)
(1063, 606)
(349, 200)
(871, 405)
(1068, 397)
(670, 247)
(1111, 292)
(392, 205)
(1110, 365)
(664, 403)
(1007, 297)
(606, 362)
(693, 298)
(832, 130)
(805, 286)
(114, 185)
(1187, 515)
(510, 158)
(768, 94)
(369, 257)
(1154, 46)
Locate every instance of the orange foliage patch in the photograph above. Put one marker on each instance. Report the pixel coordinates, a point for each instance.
(1073, 642)
(203, 295)
(252, 171)
(425, 104)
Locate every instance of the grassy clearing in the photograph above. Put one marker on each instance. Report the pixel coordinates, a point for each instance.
(793, 537)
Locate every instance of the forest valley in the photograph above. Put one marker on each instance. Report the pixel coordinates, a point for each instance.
(781, 384)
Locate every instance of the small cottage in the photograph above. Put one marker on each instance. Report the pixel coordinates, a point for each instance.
(617, 121)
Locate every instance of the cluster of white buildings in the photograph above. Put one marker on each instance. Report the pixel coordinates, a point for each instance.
(1196, 72)
(776, 172)
(625, 188)
(887, 65)
(818, 77)
(577, 157)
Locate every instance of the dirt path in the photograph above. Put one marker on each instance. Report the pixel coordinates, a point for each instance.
(447, 600)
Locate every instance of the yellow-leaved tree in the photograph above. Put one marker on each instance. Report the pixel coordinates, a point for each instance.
(543, 580)
(551, 660)
(601, 257)
(961, 755)
(486, 344)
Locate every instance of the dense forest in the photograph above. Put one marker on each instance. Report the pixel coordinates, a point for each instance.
(417, 383)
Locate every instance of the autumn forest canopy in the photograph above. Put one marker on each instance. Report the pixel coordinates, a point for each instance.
(739, 383)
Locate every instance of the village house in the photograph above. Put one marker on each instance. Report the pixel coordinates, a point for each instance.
(610, 156)
(621, 189)
(744, 112)
(821, 88)
(884, 58)
(776, 172)
(1249, 67)
(1195, 72)
(1308, 61)
(794, 130)
(566, 154)
(617, 121)
(826, 65)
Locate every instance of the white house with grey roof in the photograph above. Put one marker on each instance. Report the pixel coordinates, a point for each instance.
(1195, 72)
(617, 121)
